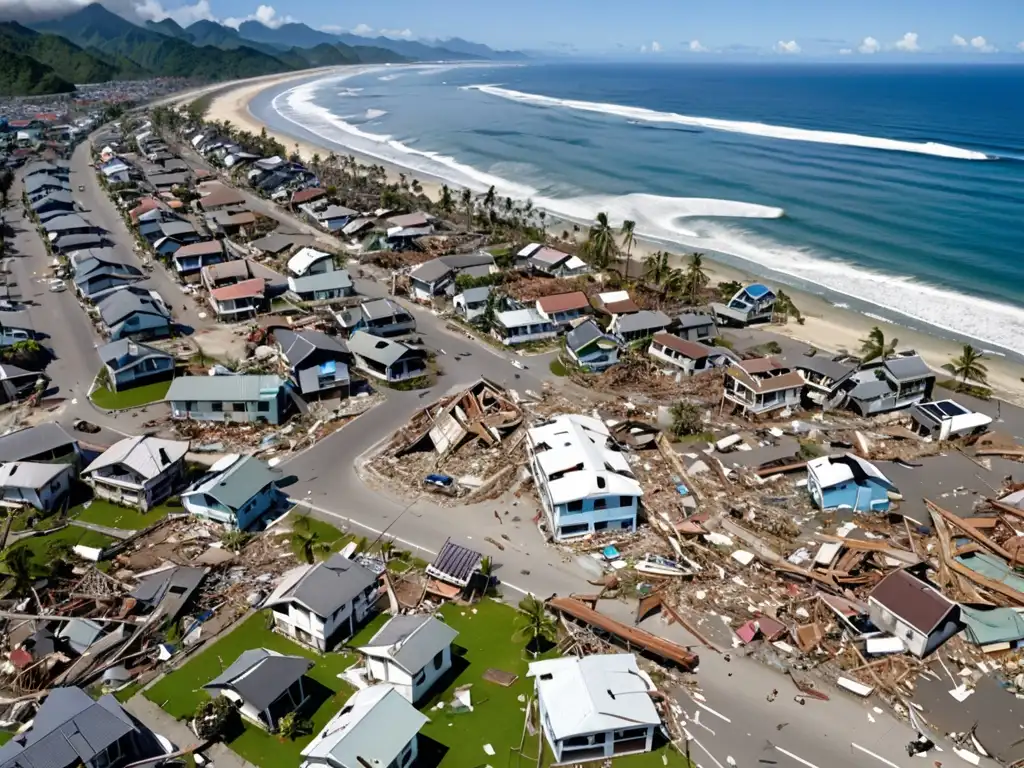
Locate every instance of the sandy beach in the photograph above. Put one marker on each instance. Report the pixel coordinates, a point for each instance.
(826, 326)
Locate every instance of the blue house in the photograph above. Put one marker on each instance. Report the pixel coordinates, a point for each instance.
(591, 348)
(130, 364)
(236, 492)
(128, 315)
(751, 304)
(849, 482)
(585, 485)
(235, 399)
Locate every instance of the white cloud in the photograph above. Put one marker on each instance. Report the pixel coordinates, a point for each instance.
(981, 45)
(908, 43)
(655, 47)
(869, 45)
(959, 41)
(404, 34)
(363, 30)
(783, 47)
(265, 14)
(845, 51)
(1020, 46)
(696, 47)
(134, 10)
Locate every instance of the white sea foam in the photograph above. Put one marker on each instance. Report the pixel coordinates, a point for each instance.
(735, 126)
(388, 78)
(373, 114)
(693, 223)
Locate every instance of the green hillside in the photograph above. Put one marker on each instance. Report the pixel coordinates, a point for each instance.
(22, 75)
(66, 59)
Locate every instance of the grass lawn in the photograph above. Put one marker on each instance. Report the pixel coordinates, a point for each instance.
(557, 367)
(101, 512)
(5, 736)
(39, 545)
(180, 692)
(131, 398)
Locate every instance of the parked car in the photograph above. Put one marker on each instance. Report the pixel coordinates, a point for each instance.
(81, 187)
(57, 286)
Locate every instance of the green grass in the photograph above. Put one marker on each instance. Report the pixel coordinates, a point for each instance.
(5, 736)
(131, 398)
(558, 368)
(101, 512)
(127, 692)
(39, 545)
(982, 393)
(180, 692)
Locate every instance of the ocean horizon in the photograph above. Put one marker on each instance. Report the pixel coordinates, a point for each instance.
(894, 189)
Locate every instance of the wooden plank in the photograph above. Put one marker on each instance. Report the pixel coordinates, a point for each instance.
(974, 534)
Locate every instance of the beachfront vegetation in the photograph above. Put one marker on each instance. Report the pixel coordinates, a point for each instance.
(307, 543)
(600, 248)
(968, 366)
(628, 233)
(696, 278)
(876, 346)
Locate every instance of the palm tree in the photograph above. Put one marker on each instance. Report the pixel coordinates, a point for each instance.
(535, 625)
(490, 198)
(696, 277)
(467, 204)
(876, 347)
(727, 289)
(675, 283)
(628, 228)
(445, 202)
(19, 565)
(656, 267)
(600, 245)
(386, 548)
(6, 181)
(306, 543)
(968, 366)
(542, 215)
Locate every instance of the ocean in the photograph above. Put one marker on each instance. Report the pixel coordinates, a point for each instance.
(897, 190)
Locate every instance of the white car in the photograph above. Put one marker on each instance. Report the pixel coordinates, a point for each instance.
(57, 286)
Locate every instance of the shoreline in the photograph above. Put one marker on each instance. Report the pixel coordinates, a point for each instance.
(828, 327)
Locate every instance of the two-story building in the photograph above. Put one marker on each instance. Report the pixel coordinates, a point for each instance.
(318, 362)
(129, 315)
(237, 492)
(130, 364)
(380, 317)
(239, 301)
(139, 472)
(637, 327)
(849, 482)
(323, 604)
(892, 385)
(471, 303)
(762, 385)
(591, 348)
(386, 359)
(585, 485)
(594, 708)
(823, 376)
(522, 326)
(562, 309)
(751, 304)
(322, 287)
(683, 355)
(190, 259)
(234, 399)
(410, 653)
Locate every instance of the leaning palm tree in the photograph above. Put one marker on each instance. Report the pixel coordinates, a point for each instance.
(600, 245)
(628, 228)
(535, 625)
(876, 347)
(446, 203)
(696, 277)
(306, 543)
(656, 267)
(386, 549)
(675, 284)
(490, 198)
(968, 366)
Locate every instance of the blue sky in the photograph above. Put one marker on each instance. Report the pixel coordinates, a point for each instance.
(809, 28)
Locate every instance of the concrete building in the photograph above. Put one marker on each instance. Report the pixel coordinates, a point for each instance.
(410, 653)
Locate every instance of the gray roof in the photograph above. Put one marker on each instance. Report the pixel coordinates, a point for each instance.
(119, 354)
(327, 586)
(169, 589)
(68, 729)
(384, 351)
(231, 389)
(32, 441)
(65, 223)
(907, 368)
(467, 260)
(381, 308)
(8, 372)
(80, 634)
(45, 180)
(473, 295)
(418, 639)
(147, 456)
(28, 474)
(869, 390)
(297, 346)
(455, 563)
(79, 241)
(583, 334)
(821, 364)
(238, 483)
(276, 242)
(17, 319)
(121, 304)
(645, 320)
(172, 228)
(481, 270)
(260, 676)
(58, 196)
(432, 271)
(694, 320)
(323, 281)
(168, 179)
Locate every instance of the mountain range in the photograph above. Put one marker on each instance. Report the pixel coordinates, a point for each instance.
(95, 45)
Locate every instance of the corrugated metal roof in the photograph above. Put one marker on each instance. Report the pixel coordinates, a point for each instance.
(260, 676)
(230, 389)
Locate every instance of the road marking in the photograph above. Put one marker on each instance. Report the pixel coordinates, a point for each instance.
(877, 757)
(691, 737)
(706, 708)
(799, 759)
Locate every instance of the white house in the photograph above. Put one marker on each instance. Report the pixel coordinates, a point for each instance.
(584, 485)
(410, 653)
(29, 484)
(914, 611)
(320, 605)
(264, 685)
(762, 385)
(945, 419)
(684, 355)
(522, 326)
(236, 492)
(595, 707)
(138, 472)
(471, 303)
(375, 728)
(310, 261)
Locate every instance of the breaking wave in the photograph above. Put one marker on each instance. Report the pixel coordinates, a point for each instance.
(704, 224)
(735, 126)
(373, 114)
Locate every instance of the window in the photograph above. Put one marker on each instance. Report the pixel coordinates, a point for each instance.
(238, 407)
(569, 530)
(601, 526)
(574, 506)
(625, 501)
(420, 677)
(216, 407)
(439, 660)
(263, 406)
(600, 503)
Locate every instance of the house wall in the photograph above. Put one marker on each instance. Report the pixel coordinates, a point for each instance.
(699, 333)
(232, 309)
(524, 334)
(596, 359)
(140, 495)
(400, 371)
(141, 326)
(761, 402)
(229, 411)
(204, 506)
(596, 745)
(916, 641)
(390, 326)
(144, 371)
(412, 687)
(44, 499)
(425, 292)
(687, 365)
(869, 497)
(323, 632)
